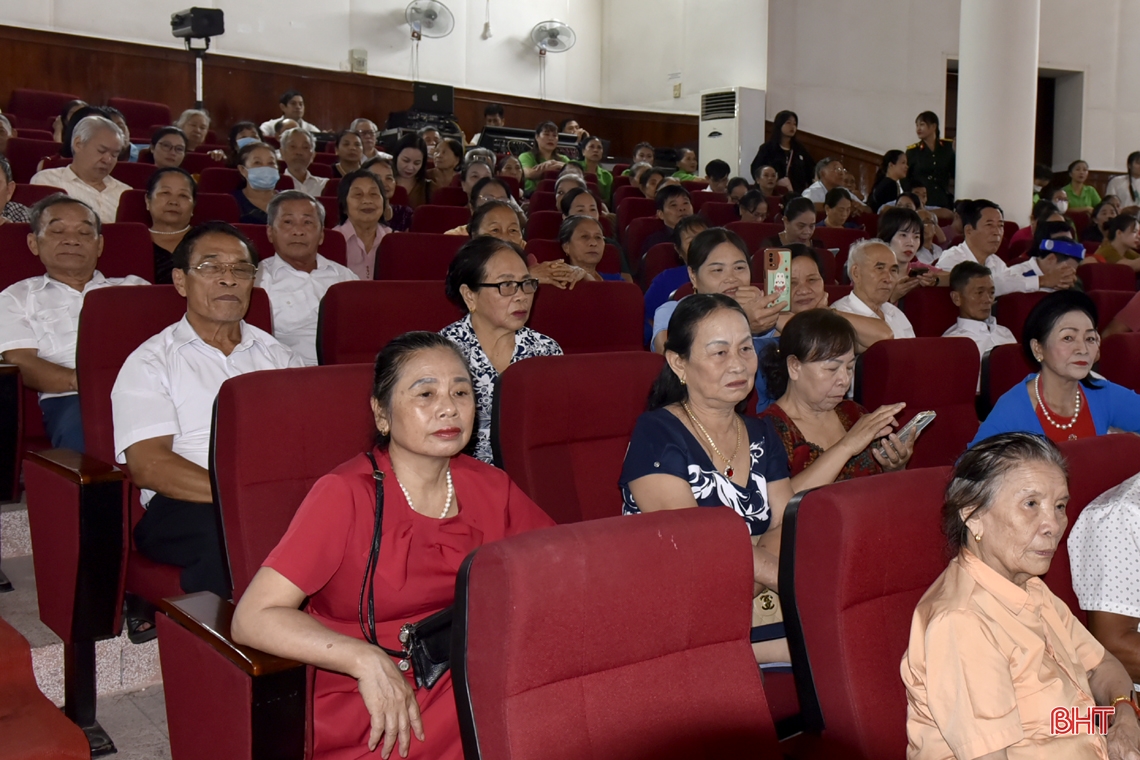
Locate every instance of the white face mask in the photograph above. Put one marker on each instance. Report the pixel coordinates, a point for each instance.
(1062, 205)
(1037, 188)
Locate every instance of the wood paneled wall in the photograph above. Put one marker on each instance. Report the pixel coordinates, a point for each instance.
(238, 89)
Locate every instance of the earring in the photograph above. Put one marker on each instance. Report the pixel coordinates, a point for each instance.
(682, 381)
(978, 537)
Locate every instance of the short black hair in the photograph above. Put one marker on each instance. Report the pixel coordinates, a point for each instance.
(1118, 224)
(152, 183)
(834, 196)
(240, 127)
(346, 183)
(751, 200)
(545, 126)
(897, 219)
(691, 222)
(392, 359)
(717, 169)
(162, 132)
(289, 95)
(961, 274)
(736, 182)
(971, 211)
(1041, 171)
(913, 199)
(667, 193)
(493, 109)
(481, 214)
(643, 180)
(706, 242)
(470, 264)
(798, 206)
(569, 198)
(643, 144)
(814, 335)
(183, 252)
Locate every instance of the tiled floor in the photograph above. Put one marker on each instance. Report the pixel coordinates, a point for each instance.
(136, 723)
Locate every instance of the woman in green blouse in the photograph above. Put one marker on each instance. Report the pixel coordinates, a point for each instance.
(1082, 197)
(592, 154)
(542, 157)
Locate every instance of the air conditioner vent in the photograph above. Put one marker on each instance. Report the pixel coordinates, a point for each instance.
(718, 105)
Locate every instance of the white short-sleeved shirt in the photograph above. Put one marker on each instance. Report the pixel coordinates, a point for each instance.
(266, 127)
(105, 201)
(296, 300)
(986, 334)
(168, 386)
(817, 193)
(313, 185)
(43, 314)
(893, 315)
(1019, 278)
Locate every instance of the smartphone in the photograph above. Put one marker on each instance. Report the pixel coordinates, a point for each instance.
(778, 265)
(918, 272)
(910, 430)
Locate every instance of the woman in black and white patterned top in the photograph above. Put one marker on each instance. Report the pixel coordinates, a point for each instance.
(488, 278)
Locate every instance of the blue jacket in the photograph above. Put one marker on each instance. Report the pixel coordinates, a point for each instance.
(1111, 405)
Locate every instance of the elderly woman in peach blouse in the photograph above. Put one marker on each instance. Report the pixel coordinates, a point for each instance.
(992, 651)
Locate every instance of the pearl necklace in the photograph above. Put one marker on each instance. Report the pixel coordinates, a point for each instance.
(736, 421)
(176, 232)
(1045, 409)
(447, 504)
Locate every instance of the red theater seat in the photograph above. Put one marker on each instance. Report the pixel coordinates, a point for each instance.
(1080, 220)
(1120, 359)
(1002, 368)
(439, 219)
(856, 557)
(656, 260)
(24, 155)
(695, 185)
(565, 449)
(626, 190)
(220, 179)
(531, 673)
(929, 374)
(136, 175)
(38, 105)
(543, 225)
(357, 319)
(839, 238)
(34, 134)
(196, 163)
(593, 317)
(141, 114)
(639, 229)
(1012, 309)
(752, 233)
(720, 214)
(333, 247)
(449, 196)
(1107, 277)
(1108, 304)
(930, 311)
(630, 209)
(551, 250)
(701, 197)
(416, 255)
(29, 195)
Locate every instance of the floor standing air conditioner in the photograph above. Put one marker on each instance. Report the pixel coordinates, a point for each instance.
(732, 127)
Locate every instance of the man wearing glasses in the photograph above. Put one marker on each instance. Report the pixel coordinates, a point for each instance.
(162, 402)
(367, 132)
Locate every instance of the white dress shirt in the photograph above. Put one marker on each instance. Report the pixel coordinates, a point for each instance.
(1123, 189)
(296, 300)
(1019, 278)
(105, 201)
(313, 185)
(267, 126)
(986, 334)
(818, 193)
(43, 314)
(168, 386)
(893, 315)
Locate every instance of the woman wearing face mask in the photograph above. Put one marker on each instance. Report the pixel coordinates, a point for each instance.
(410, 158)
(258, 166)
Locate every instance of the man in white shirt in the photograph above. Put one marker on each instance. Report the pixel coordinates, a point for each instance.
(297, 149)
(39, 317)
(830, 174)
(368, 133)
(983, 228)
(972, 291)
(873, 269)
(292, 107)
(162, 402)
(95, 145)
(297, 277)
(493, 116)
(1104, 550)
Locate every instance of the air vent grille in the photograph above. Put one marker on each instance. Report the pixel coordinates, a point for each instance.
(718, 105)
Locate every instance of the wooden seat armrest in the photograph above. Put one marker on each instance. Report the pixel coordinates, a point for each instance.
(75, 467)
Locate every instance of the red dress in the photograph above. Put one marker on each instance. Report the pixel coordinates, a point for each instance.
(1084, 427)
(324, 553)
(802, 452)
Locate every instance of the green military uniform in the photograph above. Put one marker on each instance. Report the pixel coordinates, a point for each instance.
(935, 168)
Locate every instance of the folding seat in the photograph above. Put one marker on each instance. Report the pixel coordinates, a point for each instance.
(439, 219)
(626, 191)
(752, 233)
(357, 319)
(223, 699)
(592, 318)
(55, 162)
(635, 234)
(1080, 220)
(81, 507)
(1107, 277)
(542, 201)
(695, 185)
(835, 292)
(656, 260)
(1095, 465)
(545, 186)
(1108, 304)
(416, 255)
(25, 154)
(929, 374)
(841, 239)
(220, 179)
(551, 175)
(332, 210)
(325, 158)
(563, 638)
(512, 185)
(633, 208)
(543, 225)
(29, 195)
(1015, 251)
(1003, 367)
(701, 197)
(196, 163)
(855, 558)
(1120, 359)
(775, 207)
(720, 214)
(618, 169)
(869, 222)
(333, 248)
(35, 134)
(449, 196)
(1012, 309)
(551, 250)
(930, 311)
(127, 249)
(141, 114)
(331, 187)
(1009, 229)
(38, 105)
(560, 427)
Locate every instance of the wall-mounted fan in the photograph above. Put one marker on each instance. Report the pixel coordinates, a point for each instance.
(428, 18)
(550, 37)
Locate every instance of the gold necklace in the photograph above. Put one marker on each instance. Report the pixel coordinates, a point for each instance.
(727, 460)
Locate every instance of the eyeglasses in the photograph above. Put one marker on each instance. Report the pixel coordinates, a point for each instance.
(242, 270)
(509, 288)
(171, 148)
(366, 132)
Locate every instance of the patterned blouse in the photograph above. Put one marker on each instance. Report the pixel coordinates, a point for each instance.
(15, 212)
(528, 343)
(802, 452)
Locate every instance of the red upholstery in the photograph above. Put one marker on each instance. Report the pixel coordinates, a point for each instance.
(840, 238)
(38, 105)
(24, 155)
(551, 250)
(196, 163)
(545, 186)
(630, 209)
(332, 211)
(720, 214)
(1108, 304)
(543, 225)
(855, 559)
(538, 680)
(35, 134)
(416, 255)
(1095, 465)
(439, 219)
(936, 374)
(142, 114)
(136, 175)
(593, 317)
(357, 319)
(752, 233)
(208, 206)
(775, 207)
(656, 260)
(29, 195)
(639, 229)
(1012, 309)
(1080, 220)
(565, 449)
(31, 727)
(1120, 359)
(1004, 367)
(449, 196)
(835, 292)
(542, 201)
(127, 249)
(333, 248)
(626, 191)
(685, 290)
(1015, 251)
(220, 179)
(511, 183)
(1107, 277)
(701, 197)
(930, 311)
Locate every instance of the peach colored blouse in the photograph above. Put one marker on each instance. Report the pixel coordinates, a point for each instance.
(987, 663)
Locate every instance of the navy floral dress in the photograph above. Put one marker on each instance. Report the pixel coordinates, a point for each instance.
(528, 343)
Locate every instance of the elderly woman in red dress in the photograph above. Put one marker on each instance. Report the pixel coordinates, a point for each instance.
(439, 505)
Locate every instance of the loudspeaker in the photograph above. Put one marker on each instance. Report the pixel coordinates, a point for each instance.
(198, 23)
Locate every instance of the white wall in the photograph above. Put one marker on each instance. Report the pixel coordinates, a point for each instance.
(651, 45)
(321, 33)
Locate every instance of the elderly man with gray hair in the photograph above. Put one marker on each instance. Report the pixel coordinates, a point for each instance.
(95, 143)
(39, 317)
(297, 150)
(873, 269)
(368, 133)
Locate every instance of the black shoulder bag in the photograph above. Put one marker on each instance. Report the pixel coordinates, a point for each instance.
(427, 644)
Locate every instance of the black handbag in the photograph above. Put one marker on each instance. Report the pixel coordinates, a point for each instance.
(427, 643)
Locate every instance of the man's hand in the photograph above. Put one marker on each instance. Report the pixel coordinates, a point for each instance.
(1060, 278)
